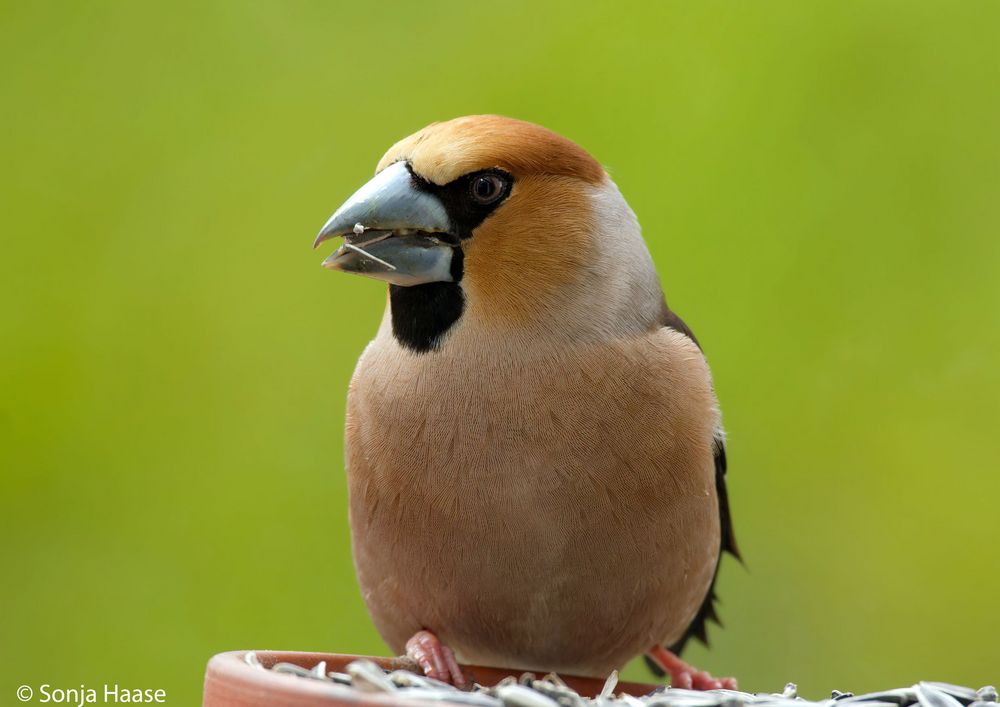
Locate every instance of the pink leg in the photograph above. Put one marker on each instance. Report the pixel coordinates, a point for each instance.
(685, 676)
(434, 658)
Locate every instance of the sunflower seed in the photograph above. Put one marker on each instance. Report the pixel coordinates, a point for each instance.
(678, 692)
(900, 696)
(473, 699)
(368, 677)
(521, 696)
(404, 678)
(987, 694)
(930, 696)
(292, 669)
(735, 695)
(670, 700)
(962, 694)
(609, 685)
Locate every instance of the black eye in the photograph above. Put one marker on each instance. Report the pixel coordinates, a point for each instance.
(487, 188)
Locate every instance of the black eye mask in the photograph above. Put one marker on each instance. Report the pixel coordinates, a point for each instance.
(465, 212)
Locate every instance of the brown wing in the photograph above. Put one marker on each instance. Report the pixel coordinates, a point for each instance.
(707, 611)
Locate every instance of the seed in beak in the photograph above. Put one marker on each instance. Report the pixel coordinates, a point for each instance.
(365, 253)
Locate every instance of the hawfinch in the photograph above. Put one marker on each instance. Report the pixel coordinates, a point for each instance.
(534, 449)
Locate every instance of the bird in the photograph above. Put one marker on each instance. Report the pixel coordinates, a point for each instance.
(536, 462)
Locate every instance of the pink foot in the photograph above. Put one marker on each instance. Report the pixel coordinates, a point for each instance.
(685, 676)
(434, 658)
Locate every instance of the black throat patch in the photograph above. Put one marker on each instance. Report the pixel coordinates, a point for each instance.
(423, 314)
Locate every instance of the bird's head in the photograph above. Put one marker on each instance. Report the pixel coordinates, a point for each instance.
(490, 224)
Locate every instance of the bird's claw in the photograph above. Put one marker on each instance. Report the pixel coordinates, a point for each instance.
(685, 676)
(434, 658)
(701, 680)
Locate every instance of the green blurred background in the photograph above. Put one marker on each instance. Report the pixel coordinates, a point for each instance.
(820, 187)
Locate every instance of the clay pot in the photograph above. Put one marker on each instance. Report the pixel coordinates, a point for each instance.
(230, 682)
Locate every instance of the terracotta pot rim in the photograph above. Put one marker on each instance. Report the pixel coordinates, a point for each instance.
(231, 682)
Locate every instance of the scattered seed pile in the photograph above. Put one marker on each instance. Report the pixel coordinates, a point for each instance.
(550, 691)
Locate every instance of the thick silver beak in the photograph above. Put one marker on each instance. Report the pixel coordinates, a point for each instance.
(389, 228)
